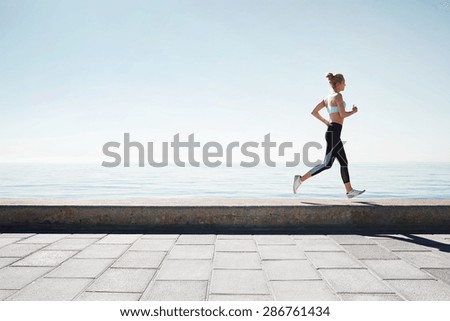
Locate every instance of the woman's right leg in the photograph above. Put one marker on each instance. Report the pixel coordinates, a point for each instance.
(329, 157)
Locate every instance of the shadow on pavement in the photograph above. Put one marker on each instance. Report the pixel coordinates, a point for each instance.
(443, 247)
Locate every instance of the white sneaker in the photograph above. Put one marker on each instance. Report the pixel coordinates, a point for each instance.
(297, 183)
(354, 193)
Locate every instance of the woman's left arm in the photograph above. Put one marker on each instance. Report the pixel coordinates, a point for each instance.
(341, 108)
(354, 110)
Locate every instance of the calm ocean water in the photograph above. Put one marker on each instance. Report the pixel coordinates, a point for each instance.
(92, 181)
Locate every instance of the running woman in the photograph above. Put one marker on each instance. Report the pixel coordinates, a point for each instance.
(335, 149)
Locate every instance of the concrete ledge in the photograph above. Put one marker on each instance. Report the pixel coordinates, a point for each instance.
(227, 215)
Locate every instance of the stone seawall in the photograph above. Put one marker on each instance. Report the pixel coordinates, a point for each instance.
(227, 215)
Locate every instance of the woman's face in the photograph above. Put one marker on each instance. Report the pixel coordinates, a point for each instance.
(341, 85)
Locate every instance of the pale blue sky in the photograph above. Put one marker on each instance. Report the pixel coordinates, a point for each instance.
(76, 74)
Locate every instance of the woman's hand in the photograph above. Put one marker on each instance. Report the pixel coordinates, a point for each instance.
(354, 109)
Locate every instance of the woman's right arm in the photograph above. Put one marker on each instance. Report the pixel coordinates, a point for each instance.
(315, 113)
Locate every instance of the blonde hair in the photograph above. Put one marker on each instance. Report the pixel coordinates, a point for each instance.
(334, 79)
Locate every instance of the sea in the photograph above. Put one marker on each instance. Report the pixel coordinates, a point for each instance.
(91, 181)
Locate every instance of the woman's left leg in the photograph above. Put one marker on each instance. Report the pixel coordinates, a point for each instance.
(342, 159)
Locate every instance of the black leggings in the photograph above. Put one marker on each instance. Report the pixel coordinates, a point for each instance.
(335, 149)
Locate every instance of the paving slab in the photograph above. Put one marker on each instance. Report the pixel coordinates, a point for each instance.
(119, 239)
(238, 282)
(108, 296)
(310, 237)
(425, 259)
(387, 236)
(369, 297)
(102, 251)
(326, 260)
(4, 294)
(375, 252)
(152, 245)
(290, 270)
(81, 268)
(403, 245)
(70, 244)
(160, 236)
(140, 259)
(237, 260)
(440, 274)
(200, 252)
(15, 278)
(197, 239)
(305, 290)
(44, 238)
(422, 290)
(444, 254)
(123, 280)
(51, 290)
(85, 236)
(8, 240)
(5, 261)
(351, 239)
(281, 252)
(45, 258)
(274, 239)
(236, 246)
(395, 269)
(354, 280)
(318, 245)
(20, 250)
(185, 270)
(16, 235)
(234, 237)
(176, 291)
(381, 237)
(240, 297)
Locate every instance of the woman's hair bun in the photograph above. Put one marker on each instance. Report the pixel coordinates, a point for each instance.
(330, 76)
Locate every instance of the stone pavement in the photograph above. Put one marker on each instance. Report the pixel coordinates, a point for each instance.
(128, 267)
